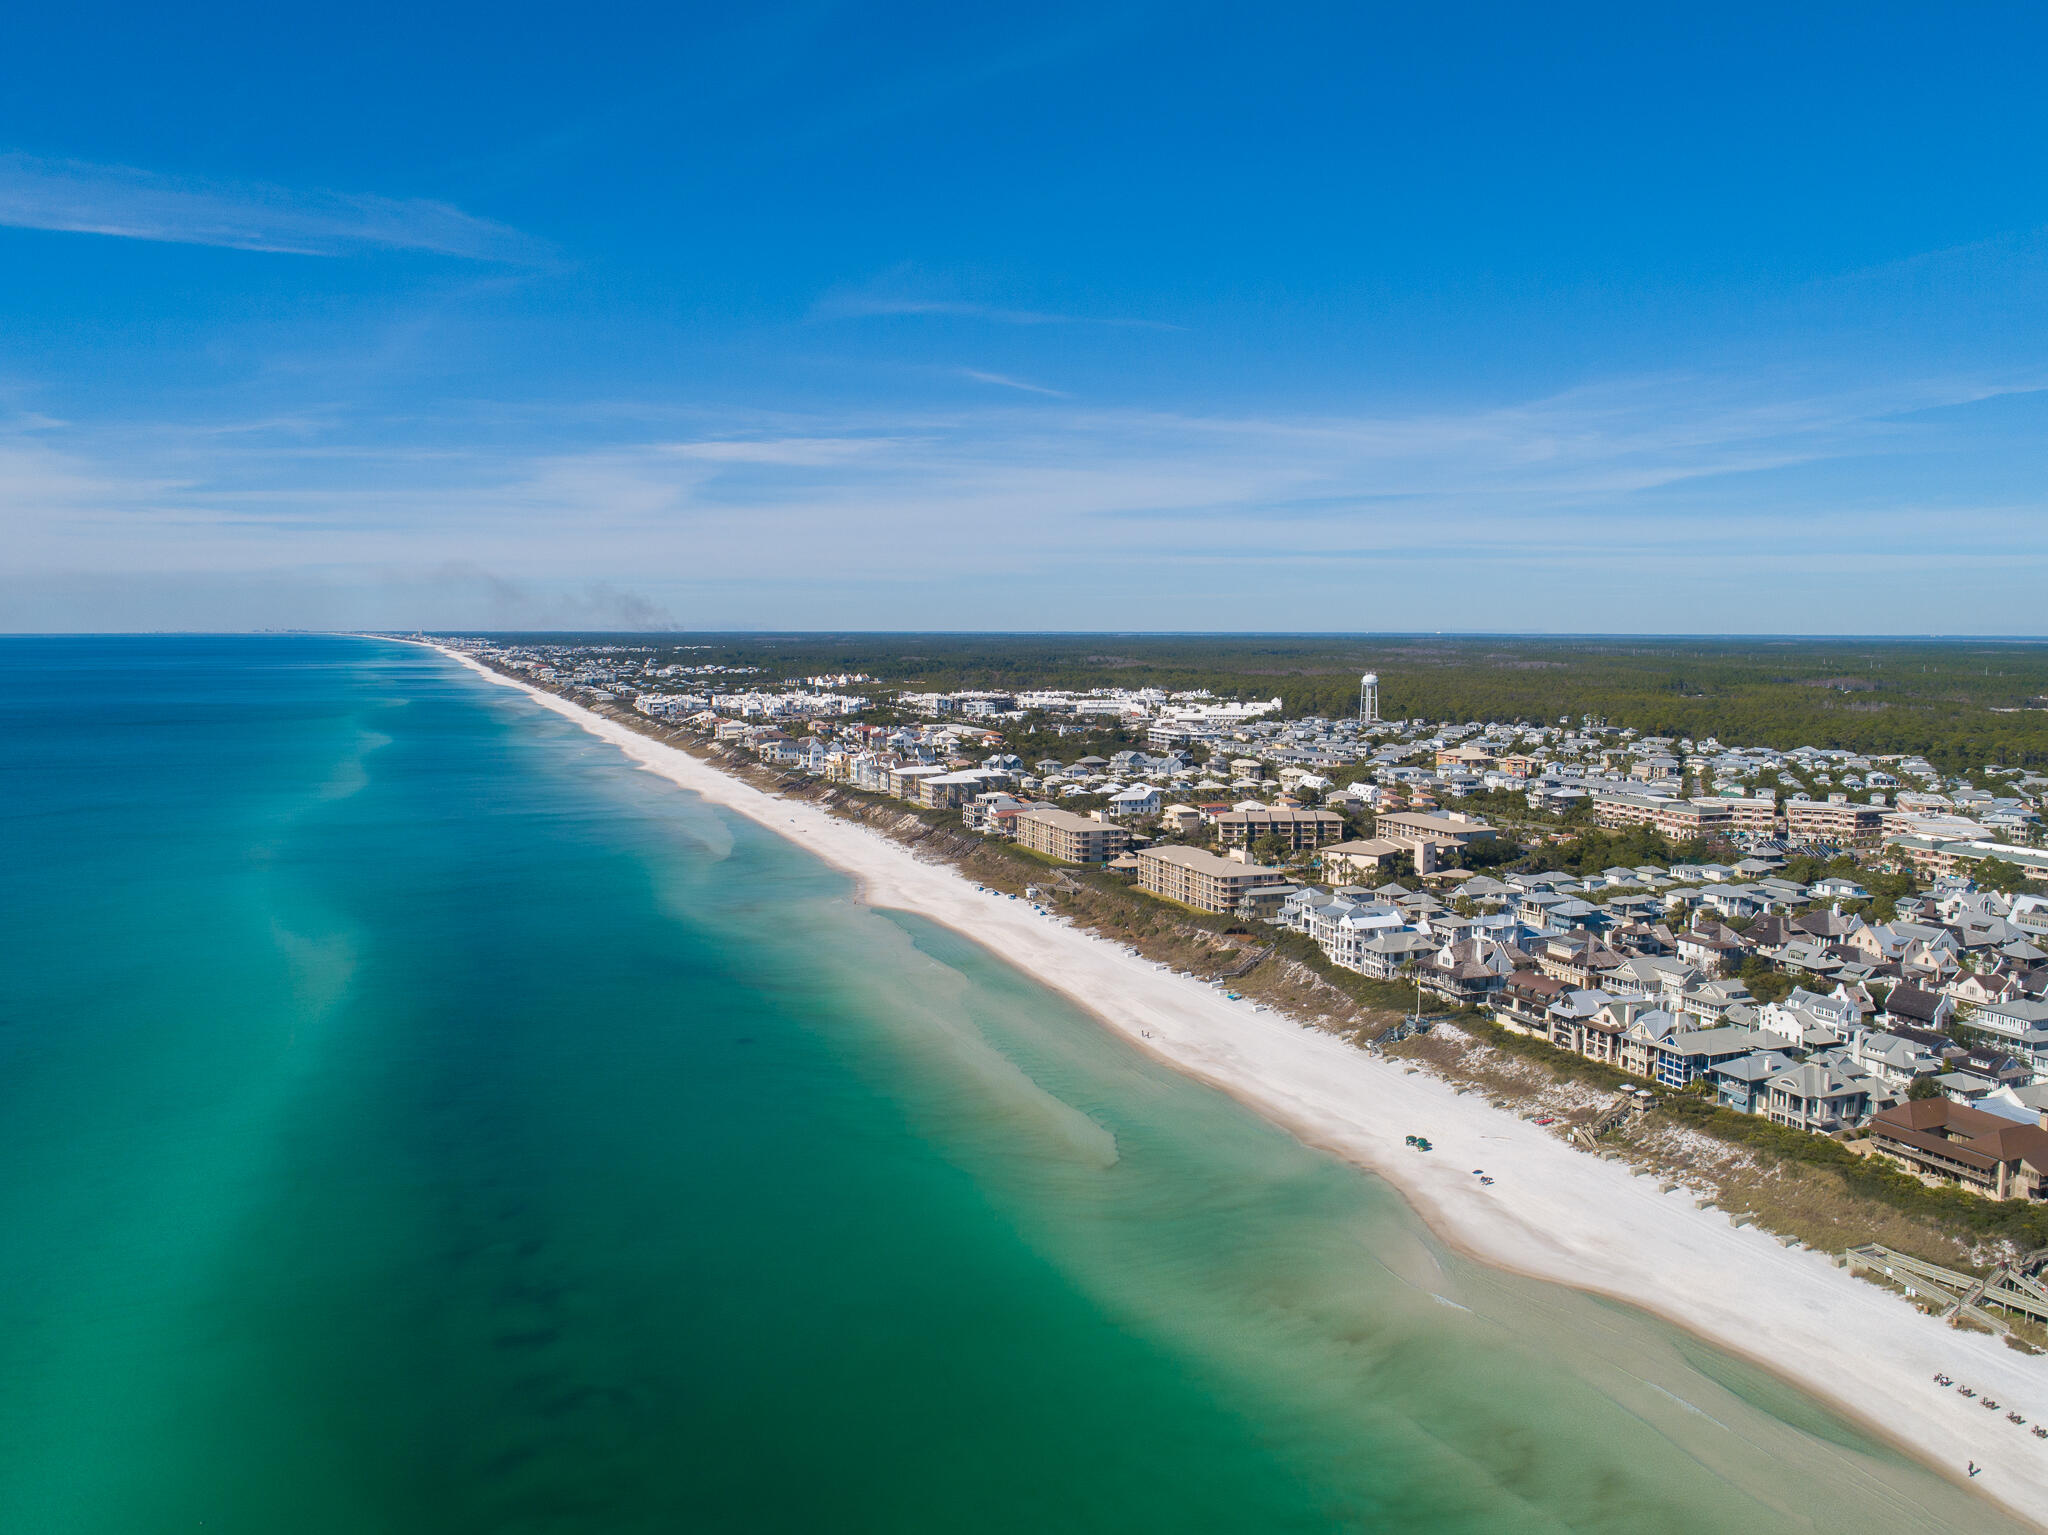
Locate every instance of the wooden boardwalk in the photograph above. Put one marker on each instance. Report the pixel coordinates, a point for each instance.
(2013, 1287)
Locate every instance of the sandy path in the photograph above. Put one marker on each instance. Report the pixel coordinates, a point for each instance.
(1553, 1212)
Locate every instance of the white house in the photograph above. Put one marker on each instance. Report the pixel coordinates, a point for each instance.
(1139, 799)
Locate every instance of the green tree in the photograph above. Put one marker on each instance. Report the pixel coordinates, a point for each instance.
(1923, 1088)
(1764, 983)
(1997, 874)
(1270, 849)
(1484, 853)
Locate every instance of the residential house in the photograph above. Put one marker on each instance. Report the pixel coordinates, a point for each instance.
(1743, 1084)
(1385, 955)
(2012, 1022)
(1577, 958)
(1466, 973)
(1684, 1055)
(1139, 799)
(1910, 1007)
(949, 791)
(1646, 1030)
(1712, 1003)
(1341, 924)
(1810, 956)
(1892, 1059)
(1583, 1022)
(1952, 1142)
(978, 812)
(1665, 978)
(1524, 1001)
(1819, 1098)
(1712, 951)
(1263, 903)
(1806, 1020)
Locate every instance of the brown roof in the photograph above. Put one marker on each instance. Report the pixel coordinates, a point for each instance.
(1920, 1140)
(1938, 1124)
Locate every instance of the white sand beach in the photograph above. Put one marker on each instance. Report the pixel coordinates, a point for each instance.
(1553, 1212)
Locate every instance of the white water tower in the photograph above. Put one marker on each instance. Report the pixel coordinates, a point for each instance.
(1369, 699)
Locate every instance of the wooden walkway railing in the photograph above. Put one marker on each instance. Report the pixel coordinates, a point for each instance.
(2014, 1287)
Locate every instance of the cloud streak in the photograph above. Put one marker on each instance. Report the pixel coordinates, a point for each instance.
(860, 306)
(1005, 381)
(118, 201)
(903, 292)
(1694, 477)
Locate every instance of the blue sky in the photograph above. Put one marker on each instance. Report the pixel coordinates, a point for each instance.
(1091, 317)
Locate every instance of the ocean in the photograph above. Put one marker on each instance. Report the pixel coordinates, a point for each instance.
(415, 1118)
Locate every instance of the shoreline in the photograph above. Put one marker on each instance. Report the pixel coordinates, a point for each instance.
(1554, 1213)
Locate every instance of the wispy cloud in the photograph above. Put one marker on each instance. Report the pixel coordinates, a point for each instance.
(1690, 476)
(905, 291)
(1006, 382)
(860, 306)
(811, 452)
(126, 203)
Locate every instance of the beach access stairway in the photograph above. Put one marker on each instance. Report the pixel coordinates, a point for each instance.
(1249, 963)
(2016, 1287)
(1611, 1117)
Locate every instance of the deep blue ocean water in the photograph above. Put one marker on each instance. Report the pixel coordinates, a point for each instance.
(413, 1118)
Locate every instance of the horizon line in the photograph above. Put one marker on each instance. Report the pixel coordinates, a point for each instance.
(1130, 634)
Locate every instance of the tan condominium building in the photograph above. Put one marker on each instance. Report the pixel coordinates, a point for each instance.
(1933, 857)
(1361, 860)
(1296, 828)
(1850, 825)
(1425, 835)
(1683, 819)
(1752, 814)
(1198, 879)
(1430, 826)
(1076, 838)
(1615, 811)
(1680, 819)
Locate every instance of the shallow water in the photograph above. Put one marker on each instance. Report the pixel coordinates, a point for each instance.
(413, 1118)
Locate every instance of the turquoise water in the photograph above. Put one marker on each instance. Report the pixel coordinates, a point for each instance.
(412, 1118)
